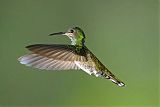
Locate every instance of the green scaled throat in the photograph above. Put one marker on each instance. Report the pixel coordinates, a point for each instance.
(65, 57)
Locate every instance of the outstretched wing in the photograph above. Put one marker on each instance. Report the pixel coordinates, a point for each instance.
(58, 52)
(52, 57)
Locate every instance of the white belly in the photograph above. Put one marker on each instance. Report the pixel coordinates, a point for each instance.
(88, 69)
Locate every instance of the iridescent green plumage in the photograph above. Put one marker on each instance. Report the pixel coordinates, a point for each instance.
(63, 57)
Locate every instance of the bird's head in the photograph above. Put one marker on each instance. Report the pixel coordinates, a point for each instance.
(76, 35)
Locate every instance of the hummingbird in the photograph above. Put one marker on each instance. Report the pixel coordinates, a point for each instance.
(65, 57)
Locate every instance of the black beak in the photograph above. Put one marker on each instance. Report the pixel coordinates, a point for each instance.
(58, 33)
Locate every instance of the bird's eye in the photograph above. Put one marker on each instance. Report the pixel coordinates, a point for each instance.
(71, 31)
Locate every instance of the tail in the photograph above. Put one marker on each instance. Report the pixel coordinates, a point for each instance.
(113, 78)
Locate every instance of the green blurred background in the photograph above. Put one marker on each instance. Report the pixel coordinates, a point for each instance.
(123, 34)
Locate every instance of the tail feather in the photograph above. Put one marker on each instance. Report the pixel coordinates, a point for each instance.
(114, 79)
(117, 81)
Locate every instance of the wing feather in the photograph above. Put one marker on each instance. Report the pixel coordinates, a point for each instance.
(59, 52)
(53, 57)
(42, 62)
